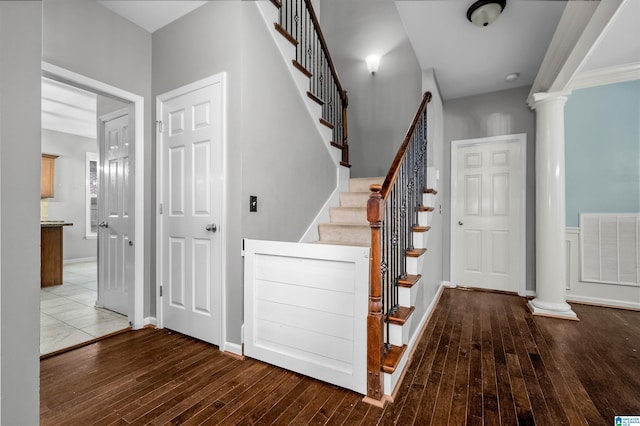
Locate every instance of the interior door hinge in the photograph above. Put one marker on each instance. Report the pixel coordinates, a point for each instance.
(160, 126)
(160, 208)
(160, 291)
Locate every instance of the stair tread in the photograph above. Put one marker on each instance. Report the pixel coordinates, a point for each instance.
(409, 280)
(425, 209)
(392, 358)
(430, 191)
(363, 184)
(418, 228)
(415, 252)
(285, 34)
(401, 316)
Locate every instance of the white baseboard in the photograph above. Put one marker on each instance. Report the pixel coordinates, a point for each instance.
(233, 348)
(530, 293)
(596, 301)
(81, 259)
(150, 321)
(447, 284)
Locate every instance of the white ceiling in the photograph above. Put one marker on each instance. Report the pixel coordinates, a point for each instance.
(620, 44)
(68, 109)
(468, 59)
(151, 15)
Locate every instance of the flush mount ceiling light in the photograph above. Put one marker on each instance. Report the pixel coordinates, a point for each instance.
(373, 62)
(512, 77)
(484, 12)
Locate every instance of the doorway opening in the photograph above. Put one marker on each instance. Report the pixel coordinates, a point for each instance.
(89, 184)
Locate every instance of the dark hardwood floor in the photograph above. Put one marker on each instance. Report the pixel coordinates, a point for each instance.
(483, 359)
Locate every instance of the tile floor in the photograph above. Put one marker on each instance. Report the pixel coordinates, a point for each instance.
(67, 312)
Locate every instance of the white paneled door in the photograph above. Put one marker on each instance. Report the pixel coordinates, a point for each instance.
(115, 214)
(191, 175)
(488, 214)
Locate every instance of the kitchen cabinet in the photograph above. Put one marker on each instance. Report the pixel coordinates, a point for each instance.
(51, 252)
(48, 169)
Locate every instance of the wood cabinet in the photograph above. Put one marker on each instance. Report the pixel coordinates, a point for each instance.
(51, 253)
(48, 168)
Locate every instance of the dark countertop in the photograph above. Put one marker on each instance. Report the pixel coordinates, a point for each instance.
(54, 223)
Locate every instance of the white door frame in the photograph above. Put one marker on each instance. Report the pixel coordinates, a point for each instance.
(136, 318)
(519, 138)
(218, 78)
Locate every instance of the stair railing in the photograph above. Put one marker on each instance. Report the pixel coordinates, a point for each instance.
(298, 19)
(392, 212)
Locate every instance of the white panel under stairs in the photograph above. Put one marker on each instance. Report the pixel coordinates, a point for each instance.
(305, 309)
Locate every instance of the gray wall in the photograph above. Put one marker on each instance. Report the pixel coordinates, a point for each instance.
(69, 203)
(492, 114)
(20, 56)
(271, 146)
(380, 106)
(88, 39)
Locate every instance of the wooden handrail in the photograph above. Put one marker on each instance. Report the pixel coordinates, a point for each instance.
(397, 161)
(325, 50)
(391, 242)
(300, 25)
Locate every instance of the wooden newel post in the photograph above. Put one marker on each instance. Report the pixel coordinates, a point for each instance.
(375, 325)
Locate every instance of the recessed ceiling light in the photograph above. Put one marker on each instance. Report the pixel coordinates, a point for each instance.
(512, 77)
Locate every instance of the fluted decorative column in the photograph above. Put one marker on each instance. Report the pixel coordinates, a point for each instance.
(551, 262)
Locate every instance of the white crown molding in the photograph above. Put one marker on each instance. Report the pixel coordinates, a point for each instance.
(603, 76)
(578, 33)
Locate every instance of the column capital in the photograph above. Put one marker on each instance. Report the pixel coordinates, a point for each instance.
(544, 97)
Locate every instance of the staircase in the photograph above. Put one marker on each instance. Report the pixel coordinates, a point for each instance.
(390, 214)
(348, 223)
(349, 226)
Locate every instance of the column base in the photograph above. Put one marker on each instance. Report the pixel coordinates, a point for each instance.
(553, 310)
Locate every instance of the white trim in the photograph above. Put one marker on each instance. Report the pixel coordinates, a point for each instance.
(519, 138)
(578, 34)
(160, 99)
(135, 317)
(80, 260)
(150, 321)
(596, 301)
(231, 347)
(448, 284)
(603, 76)
(530, 293)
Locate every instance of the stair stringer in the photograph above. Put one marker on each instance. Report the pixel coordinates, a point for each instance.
(270, 15)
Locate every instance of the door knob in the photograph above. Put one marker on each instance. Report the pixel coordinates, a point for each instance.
(103, 224)
(460, 223)
(211, 227)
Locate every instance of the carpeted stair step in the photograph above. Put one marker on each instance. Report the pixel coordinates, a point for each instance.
(350, 215)
(362, 184)
(345, 233)
(354, 199)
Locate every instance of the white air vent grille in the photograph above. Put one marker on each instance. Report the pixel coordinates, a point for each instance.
(610, 248)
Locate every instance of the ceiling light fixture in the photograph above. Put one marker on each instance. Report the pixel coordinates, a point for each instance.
(373, 62)
(512, 77)
(484, 12)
